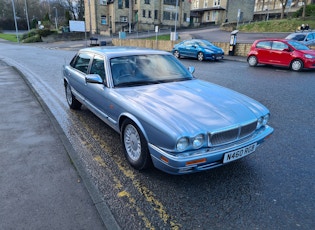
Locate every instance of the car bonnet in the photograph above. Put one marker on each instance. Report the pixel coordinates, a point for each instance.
(191, 106)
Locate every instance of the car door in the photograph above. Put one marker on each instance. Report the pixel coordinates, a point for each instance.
(97, 96)
(77, 73)
(263, 49)
(194, 49)
(280, 53)
(184, 48)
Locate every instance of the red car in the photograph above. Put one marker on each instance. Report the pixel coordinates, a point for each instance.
(281, 52)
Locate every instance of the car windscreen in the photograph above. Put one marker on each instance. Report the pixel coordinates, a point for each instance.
(147, 69)
(298, 45)
(204, 43)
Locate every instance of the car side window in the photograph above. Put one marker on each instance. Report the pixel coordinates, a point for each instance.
(279, 46)
(264, 45)
(97, 66)
(81, 62)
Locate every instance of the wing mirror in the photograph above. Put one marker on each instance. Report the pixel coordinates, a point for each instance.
(93, 78)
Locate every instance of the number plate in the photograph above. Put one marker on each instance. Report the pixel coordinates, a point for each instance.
(237, 154)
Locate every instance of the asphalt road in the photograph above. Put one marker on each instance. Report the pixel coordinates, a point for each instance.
(270, 189)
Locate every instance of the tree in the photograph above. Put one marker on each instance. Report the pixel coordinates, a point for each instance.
(75, 7)
(283, 6)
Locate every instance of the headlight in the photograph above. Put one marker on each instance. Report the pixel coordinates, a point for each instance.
(182, 144)
(263, 121)
(198, 141)
(309, 56)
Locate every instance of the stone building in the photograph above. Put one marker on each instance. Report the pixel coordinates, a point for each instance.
(267, 9)
(108, 17)
(205, 12)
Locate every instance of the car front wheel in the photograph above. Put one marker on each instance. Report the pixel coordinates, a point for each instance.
(200, 56)
(176, 54)
(135, 146)
(72, 101)
(296, 65)
(252, 61)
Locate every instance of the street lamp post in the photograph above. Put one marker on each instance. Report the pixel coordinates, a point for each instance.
(56, 16)
(26, 14)
(16, 26)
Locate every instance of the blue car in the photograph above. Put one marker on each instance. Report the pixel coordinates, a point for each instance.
(164, 115)
(200, 49)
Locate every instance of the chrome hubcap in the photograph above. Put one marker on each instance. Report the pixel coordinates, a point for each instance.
(132, 142)
(69, 94)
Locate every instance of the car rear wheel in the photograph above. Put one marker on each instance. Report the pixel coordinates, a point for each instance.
(72, 101)
(297, 65)
(176, 54)
(252, 61)
(200, 56)
(135, 146)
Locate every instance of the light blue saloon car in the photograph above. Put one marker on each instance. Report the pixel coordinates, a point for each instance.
(197, 48)
(163, 114)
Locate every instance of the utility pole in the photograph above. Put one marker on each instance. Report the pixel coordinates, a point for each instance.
(16, 26)
(130, 14)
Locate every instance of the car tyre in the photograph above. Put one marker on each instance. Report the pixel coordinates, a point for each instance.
(297, 65)
(72, 101)
(135, 146)
(200, 56)
(252, 61)
(176, 54)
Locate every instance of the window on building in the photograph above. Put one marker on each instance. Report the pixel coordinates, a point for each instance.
(103, 20)
(136, 2)
(143, 13)
(195, 4)
(146, 1)
(123, 19)
(205, 3)
(185, 17)
(208, 16)
(120, 4)
(166, 15)
(126, 3)
(149, 14)
(103, 2)
(215, 15)
(156, 14)
(216, 2)
(170, 2)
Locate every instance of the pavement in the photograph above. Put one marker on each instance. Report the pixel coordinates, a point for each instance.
(42, 185)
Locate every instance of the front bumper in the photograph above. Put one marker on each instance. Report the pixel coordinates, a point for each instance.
(205, 159)
(212, 56)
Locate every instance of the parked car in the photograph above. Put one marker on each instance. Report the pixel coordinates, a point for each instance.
(200, 49)
(304, 37)
(163, 114)
(281, 52)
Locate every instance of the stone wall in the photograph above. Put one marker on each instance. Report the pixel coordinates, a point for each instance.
(241, 49)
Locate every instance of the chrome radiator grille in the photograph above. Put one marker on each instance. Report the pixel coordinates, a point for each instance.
(230, 135)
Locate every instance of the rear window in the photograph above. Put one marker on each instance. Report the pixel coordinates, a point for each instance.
(264, 45)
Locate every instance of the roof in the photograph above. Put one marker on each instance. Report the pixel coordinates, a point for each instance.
(115, 51)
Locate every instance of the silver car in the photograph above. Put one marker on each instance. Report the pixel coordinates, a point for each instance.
(163, 114)
(307, 38)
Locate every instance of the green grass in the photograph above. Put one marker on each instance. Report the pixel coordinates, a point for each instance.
(9, 37)
(165, 37)
(284, 25)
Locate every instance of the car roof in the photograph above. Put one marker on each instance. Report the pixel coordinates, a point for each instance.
(272, 39)
(117, 51)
